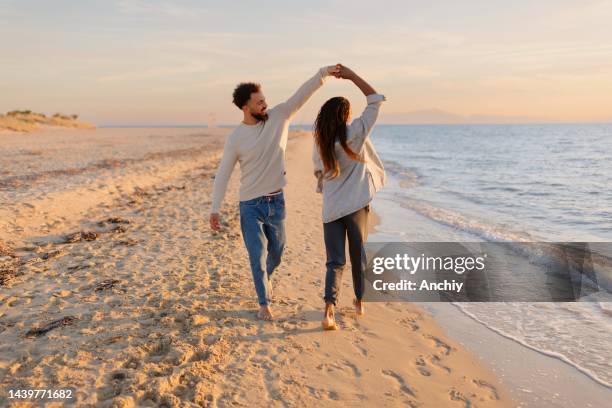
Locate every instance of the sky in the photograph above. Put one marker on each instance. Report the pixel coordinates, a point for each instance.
(176, 62)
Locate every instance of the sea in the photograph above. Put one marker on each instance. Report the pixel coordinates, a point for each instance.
(509, 183)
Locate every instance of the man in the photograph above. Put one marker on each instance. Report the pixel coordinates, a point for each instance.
(259, 143)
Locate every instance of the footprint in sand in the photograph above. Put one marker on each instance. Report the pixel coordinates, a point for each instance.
(133, 362)
(437, 362)
(445, 348)
(403, 386)
(457, 396)
(409, 322)
(341, 366)
(425, 369)
(353, 368)
(358, 346)
(422, 367)
(322, 394)
(493, 394)
(394, 307)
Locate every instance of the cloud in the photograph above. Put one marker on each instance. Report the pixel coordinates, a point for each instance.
(7, 9)
(157, 8)
(552, 50)
(575, 16)
(401, 71)
(324, 20)
(156, 73)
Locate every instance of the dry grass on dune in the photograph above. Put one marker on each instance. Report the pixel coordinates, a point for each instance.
(28, 121)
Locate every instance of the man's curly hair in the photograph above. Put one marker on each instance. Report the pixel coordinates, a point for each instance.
(243, 92)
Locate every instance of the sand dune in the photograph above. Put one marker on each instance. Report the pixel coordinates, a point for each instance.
(120, 291)
(27, 121)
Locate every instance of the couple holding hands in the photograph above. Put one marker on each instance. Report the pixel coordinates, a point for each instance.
(348, 169)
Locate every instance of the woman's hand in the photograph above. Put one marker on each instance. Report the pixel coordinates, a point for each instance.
(344, 72)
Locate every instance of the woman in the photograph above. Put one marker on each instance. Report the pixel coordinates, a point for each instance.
(350, 172)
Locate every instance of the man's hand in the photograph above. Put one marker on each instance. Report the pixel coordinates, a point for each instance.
(344, 72)
(215, 222)
(333, 70)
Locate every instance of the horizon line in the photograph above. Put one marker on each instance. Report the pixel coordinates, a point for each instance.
(227, 125)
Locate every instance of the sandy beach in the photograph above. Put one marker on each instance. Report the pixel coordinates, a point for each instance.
(114, 286)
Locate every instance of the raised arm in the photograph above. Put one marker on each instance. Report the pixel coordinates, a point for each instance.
(290, 107)
(360, 128)
(349, 74)
(224, 172)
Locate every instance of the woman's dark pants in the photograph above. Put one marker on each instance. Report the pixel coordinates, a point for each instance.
(354, 227)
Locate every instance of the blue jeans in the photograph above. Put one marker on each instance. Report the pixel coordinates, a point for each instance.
(262, 221)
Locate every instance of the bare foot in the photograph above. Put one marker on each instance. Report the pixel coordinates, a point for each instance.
(265, 313)
(359, 308)
(329, 322)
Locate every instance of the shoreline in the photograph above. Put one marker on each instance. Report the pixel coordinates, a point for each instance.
(546, 381)
(144, 306)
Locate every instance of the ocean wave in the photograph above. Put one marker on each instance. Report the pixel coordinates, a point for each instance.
(597, 373)
(464, 223)
(539, 252)
(407, 177)
(501, 188)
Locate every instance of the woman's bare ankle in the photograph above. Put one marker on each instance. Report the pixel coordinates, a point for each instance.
(359, 308)
(329, 322)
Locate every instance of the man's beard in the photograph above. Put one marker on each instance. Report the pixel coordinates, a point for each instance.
(262, 117)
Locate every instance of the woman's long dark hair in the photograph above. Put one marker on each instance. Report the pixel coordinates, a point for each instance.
(330, 127)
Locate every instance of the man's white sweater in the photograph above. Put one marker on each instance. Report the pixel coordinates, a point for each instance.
(260, 148)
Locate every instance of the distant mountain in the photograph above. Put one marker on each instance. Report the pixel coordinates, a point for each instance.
(438, 116)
